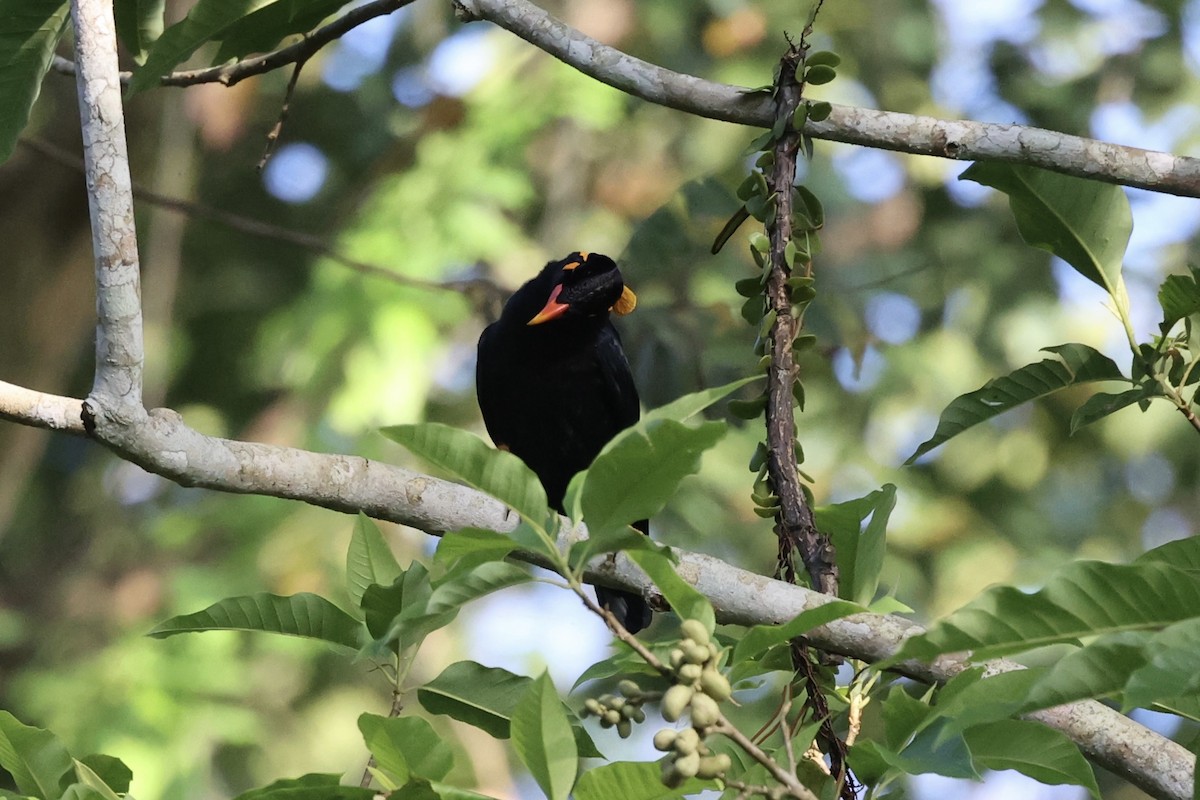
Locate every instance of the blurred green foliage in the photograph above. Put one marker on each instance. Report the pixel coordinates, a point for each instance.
(271, 342)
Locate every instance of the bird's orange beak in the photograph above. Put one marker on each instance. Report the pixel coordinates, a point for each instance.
(552, 310)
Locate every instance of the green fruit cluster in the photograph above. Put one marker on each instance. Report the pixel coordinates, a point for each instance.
(699, 687)
(619, 712)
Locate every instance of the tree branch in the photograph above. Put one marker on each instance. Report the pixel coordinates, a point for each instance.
(160, 442)
(906, 133)
(163, 444)
(959, 140)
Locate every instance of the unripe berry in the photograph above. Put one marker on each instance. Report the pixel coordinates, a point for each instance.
(715, 685)
(664, 739)
(675, 701)
(704, 710)
(694, 629)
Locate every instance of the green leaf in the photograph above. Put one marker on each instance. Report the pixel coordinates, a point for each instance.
(541, 736)
(28, 36)
(928, 750)
(1179, 297)
(34, 757)
(969, 699)
(761, 638)
(418, 620)
(262, 30)
(639, 470)
(1076, 364)
(1097, 671)
(633, 780)
(88, 777)
(486, 698)
(683, 597)
(860, 550)
(1087, 598)
(110, 770)
(206, 21)
(139, 23)
(472, 546)
(477, 695)
(420, 789)
(1181, 553)
(369, 560)
(689, 405)
(79, 791)
(1174, 654)
(466, 456)
(1042, 753)
(314, 786)
(1083, 222)
(405, 747)
(1101, 404)
(306, 615)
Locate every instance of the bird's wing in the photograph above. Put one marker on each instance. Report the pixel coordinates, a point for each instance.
(621, 393)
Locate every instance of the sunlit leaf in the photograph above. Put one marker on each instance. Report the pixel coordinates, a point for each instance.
(639, 470)
(314, 786)
(1174, 655)
(486, 698)
(1182, 553)
(1041, 753)
(1179, 297)
(1087, 598)
(689, 405)
(632, 780)
(406, 746)
(969, 699)
(28, 36)
(472, 546)
(34, 757)
(477, 695)
(1085, 223)
(541, 736)
(683, 597)
(110, 770)
(1075, 364)
(763, 637)
(306, 615)
(369, 559)
(467, 457)
(860, 550)
(1099, 670)
(88, 777)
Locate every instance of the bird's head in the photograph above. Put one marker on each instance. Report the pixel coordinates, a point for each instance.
(584, 284)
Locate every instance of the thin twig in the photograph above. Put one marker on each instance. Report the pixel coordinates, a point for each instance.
(786, 779)
(482, 292)
(273, 135)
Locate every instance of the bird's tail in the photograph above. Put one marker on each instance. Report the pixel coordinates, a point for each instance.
(629, 608)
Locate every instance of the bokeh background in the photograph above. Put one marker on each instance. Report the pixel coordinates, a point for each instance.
(447, 153)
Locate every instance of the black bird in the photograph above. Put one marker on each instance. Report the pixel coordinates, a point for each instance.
(554, 385)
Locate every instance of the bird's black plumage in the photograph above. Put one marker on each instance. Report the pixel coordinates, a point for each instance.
(554, 385)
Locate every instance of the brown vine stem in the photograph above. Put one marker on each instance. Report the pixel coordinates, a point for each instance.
(794, 523)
